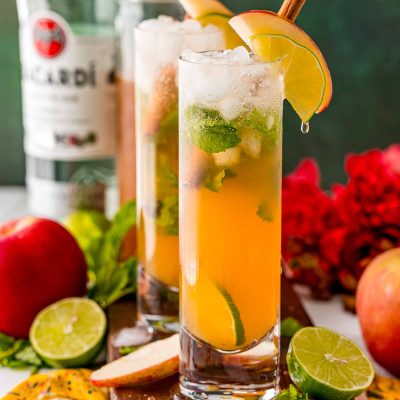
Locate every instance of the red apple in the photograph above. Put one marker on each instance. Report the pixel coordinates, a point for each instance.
(40, 263)
(378, 309)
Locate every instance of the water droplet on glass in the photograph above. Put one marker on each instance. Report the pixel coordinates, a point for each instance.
(305, 127)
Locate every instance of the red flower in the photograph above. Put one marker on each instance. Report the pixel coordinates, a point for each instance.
(306, 215)
(327, 238)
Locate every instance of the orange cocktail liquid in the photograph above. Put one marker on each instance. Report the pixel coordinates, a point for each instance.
(235, 249)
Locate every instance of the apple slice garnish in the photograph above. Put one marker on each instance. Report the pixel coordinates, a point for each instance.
(258, 26)
(150, 363)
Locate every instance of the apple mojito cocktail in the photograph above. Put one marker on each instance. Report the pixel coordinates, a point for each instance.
(158, 45)
(230, 205)
(230, 220)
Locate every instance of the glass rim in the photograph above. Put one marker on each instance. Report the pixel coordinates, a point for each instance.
(227, 64)
(178, 33)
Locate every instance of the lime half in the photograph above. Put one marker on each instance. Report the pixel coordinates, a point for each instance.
(327, 365)
(69, 333)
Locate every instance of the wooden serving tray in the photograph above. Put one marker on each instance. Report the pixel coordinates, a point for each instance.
(123, 314)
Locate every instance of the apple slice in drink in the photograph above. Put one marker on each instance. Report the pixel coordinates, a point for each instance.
(163, 98)
(148, 364)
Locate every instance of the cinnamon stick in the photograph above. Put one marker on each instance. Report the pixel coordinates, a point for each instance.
(291, 8)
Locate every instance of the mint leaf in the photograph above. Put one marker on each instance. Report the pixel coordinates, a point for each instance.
(207, 130)
(258, 121)
(291, 394)
(115, 279)
(253, 119)
(88, 228)
(18, 354)
(29, 356)
(125, 350)
(263, 212)
(6, 342)
(166, 175)
(289, 326)
(168, 214)
(214, 181)
(168, 126)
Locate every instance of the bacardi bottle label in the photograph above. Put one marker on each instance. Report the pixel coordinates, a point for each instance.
(69, 89)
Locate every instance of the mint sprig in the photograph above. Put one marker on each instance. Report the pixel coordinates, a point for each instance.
(207, 130)
(101, 242)
(292, 394)
(18, 354)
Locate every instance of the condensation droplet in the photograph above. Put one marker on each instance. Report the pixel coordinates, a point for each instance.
(305, 127)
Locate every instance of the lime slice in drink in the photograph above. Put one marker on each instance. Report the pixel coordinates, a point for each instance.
(69, 333)
(327, 365)
(211, 315)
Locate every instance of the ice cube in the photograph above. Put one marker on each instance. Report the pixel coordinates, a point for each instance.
(239, 55)
(191, 56)
(250, 143)
(230, 107)
(228, 158)
(191, 26)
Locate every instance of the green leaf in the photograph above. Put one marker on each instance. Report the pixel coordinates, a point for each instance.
(166, 174)
(207, 130)
(258, 121)
(289, 326)
(253, 119)
(125, 350)
(88, 227)
(168, 214)
(29, 356)
(263, 212)
(18, 354)
(214, 181)
(291, 394)
(6, 342)
(113, 278)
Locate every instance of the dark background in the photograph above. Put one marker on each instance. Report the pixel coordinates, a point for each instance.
(361, 42)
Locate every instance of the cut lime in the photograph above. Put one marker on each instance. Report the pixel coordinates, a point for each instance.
(308, 83)
(69, 333)
(211, 315)
(327, 365)
(303, 74)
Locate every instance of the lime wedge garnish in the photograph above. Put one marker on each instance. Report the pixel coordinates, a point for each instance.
(327, 365)
(69, 333)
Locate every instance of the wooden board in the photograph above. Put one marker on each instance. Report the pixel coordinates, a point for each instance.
(123, 314)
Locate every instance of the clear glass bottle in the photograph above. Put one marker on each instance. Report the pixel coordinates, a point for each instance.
(68, 55)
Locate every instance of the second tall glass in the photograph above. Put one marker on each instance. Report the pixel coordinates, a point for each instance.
(158, 45)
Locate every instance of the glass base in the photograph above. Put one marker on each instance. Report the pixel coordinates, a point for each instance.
(206, 372)
(213, 392)
(158, 304)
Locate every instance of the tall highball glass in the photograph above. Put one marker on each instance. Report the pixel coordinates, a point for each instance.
(230, 224)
